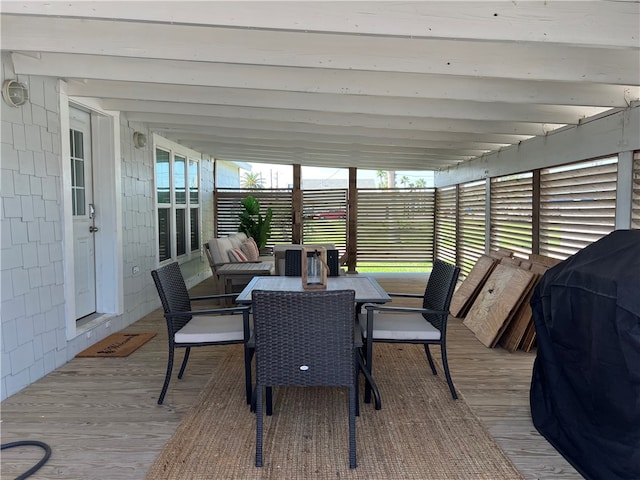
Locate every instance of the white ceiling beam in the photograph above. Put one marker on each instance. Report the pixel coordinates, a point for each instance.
(120, 93)
(346, 121)
(98, 72)
(249, 135)
(284, 130)
(529, 61)
(394, 119)
(573, 23)
(338, 146)
(426, 124)
(266, 155)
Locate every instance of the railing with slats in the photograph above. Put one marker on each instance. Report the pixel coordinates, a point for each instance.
(402, 229)
(577, 205)
(228, 208)
(324, 217)
(511, 213)
(396, 227)
(471, 224)
(446, 237)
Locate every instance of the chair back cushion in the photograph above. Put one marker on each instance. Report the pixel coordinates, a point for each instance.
(439, 291)
(173, 293)
(219, 248)
(237, 239)
(304, 338)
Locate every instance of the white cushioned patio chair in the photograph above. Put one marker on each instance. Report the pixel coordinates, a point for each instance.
(426, 325)
(187, 328)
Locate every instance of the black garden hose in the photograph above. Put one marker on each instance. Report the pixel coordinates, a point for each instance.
(30, 443)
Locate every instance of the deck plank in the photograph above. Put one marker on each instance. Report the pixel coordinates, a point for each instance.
(101, 419)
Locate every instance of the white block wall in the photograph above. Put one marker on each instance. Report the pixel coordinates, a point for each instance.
(31, 261)
(32, 309)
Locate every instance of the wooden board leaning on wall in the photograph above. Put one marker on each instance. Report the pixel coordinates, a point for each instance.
(495, 298)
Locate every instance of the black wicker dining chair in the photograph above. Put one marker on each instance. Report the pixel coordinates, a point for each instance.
(305, 339)
(426, 325)
(187, 328)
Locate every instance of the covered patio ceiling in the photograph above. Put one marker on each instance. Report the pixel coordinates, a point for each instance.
(373, 85)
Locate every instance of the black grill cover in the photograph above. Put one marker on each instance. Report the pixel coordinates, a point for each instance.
(585, 391)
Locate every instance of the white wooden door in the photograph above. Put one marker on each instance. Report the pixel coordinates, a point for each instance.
(84, 212)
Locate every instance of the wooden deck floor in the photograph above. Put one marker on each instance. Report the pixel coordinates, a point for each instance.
(101, 419)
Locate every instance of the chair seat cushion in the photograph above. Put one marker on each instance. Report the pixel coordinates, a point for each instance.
(399, 326)
(214, 328)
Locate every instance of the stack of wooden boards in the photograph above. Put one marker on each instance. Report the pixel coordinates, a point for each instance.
(495, 297)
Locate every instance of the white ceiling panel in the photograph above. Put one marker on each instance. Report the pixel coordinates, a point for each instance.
(376, 85)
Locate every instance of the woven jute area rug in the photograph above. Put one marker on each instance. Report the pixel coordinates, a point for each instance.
(420, 433)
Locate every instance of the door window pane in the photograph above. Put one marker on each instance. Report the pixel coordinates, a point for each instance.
(77, 174)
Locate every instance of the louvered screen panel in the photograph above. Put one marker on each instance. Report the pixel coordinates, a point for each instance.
(472, 221)
(395, 229)
(280, 201)
(577, 205)
(325, 217)
(635, 202)
(511, 213)
(446, 234)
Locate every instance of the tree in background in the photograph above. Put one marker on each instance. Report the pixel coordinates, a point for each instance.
(251, 180)
(383, 179)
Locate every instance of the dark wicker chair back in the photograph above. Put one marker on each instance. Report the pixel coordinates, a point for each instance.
(293, 263)
(439, 292)
(305, 339)
(173, 294)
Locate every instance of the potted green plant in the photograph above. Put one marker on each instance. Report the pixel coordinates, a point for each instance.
(252, 223)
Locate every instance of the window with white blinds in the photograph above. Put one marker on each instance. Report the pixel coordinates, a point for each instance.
(511, 213)
(635, 201)
(577, 205)
(396, 228)
(446, 219)
(472, 202)
(228, 208)
(324, 214)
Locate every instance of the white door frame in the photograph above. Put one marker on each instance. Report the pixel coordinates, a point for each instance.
(105, 133)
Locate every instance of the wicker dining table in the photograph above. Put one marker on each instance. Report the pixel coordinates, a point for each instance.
(367, 290)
